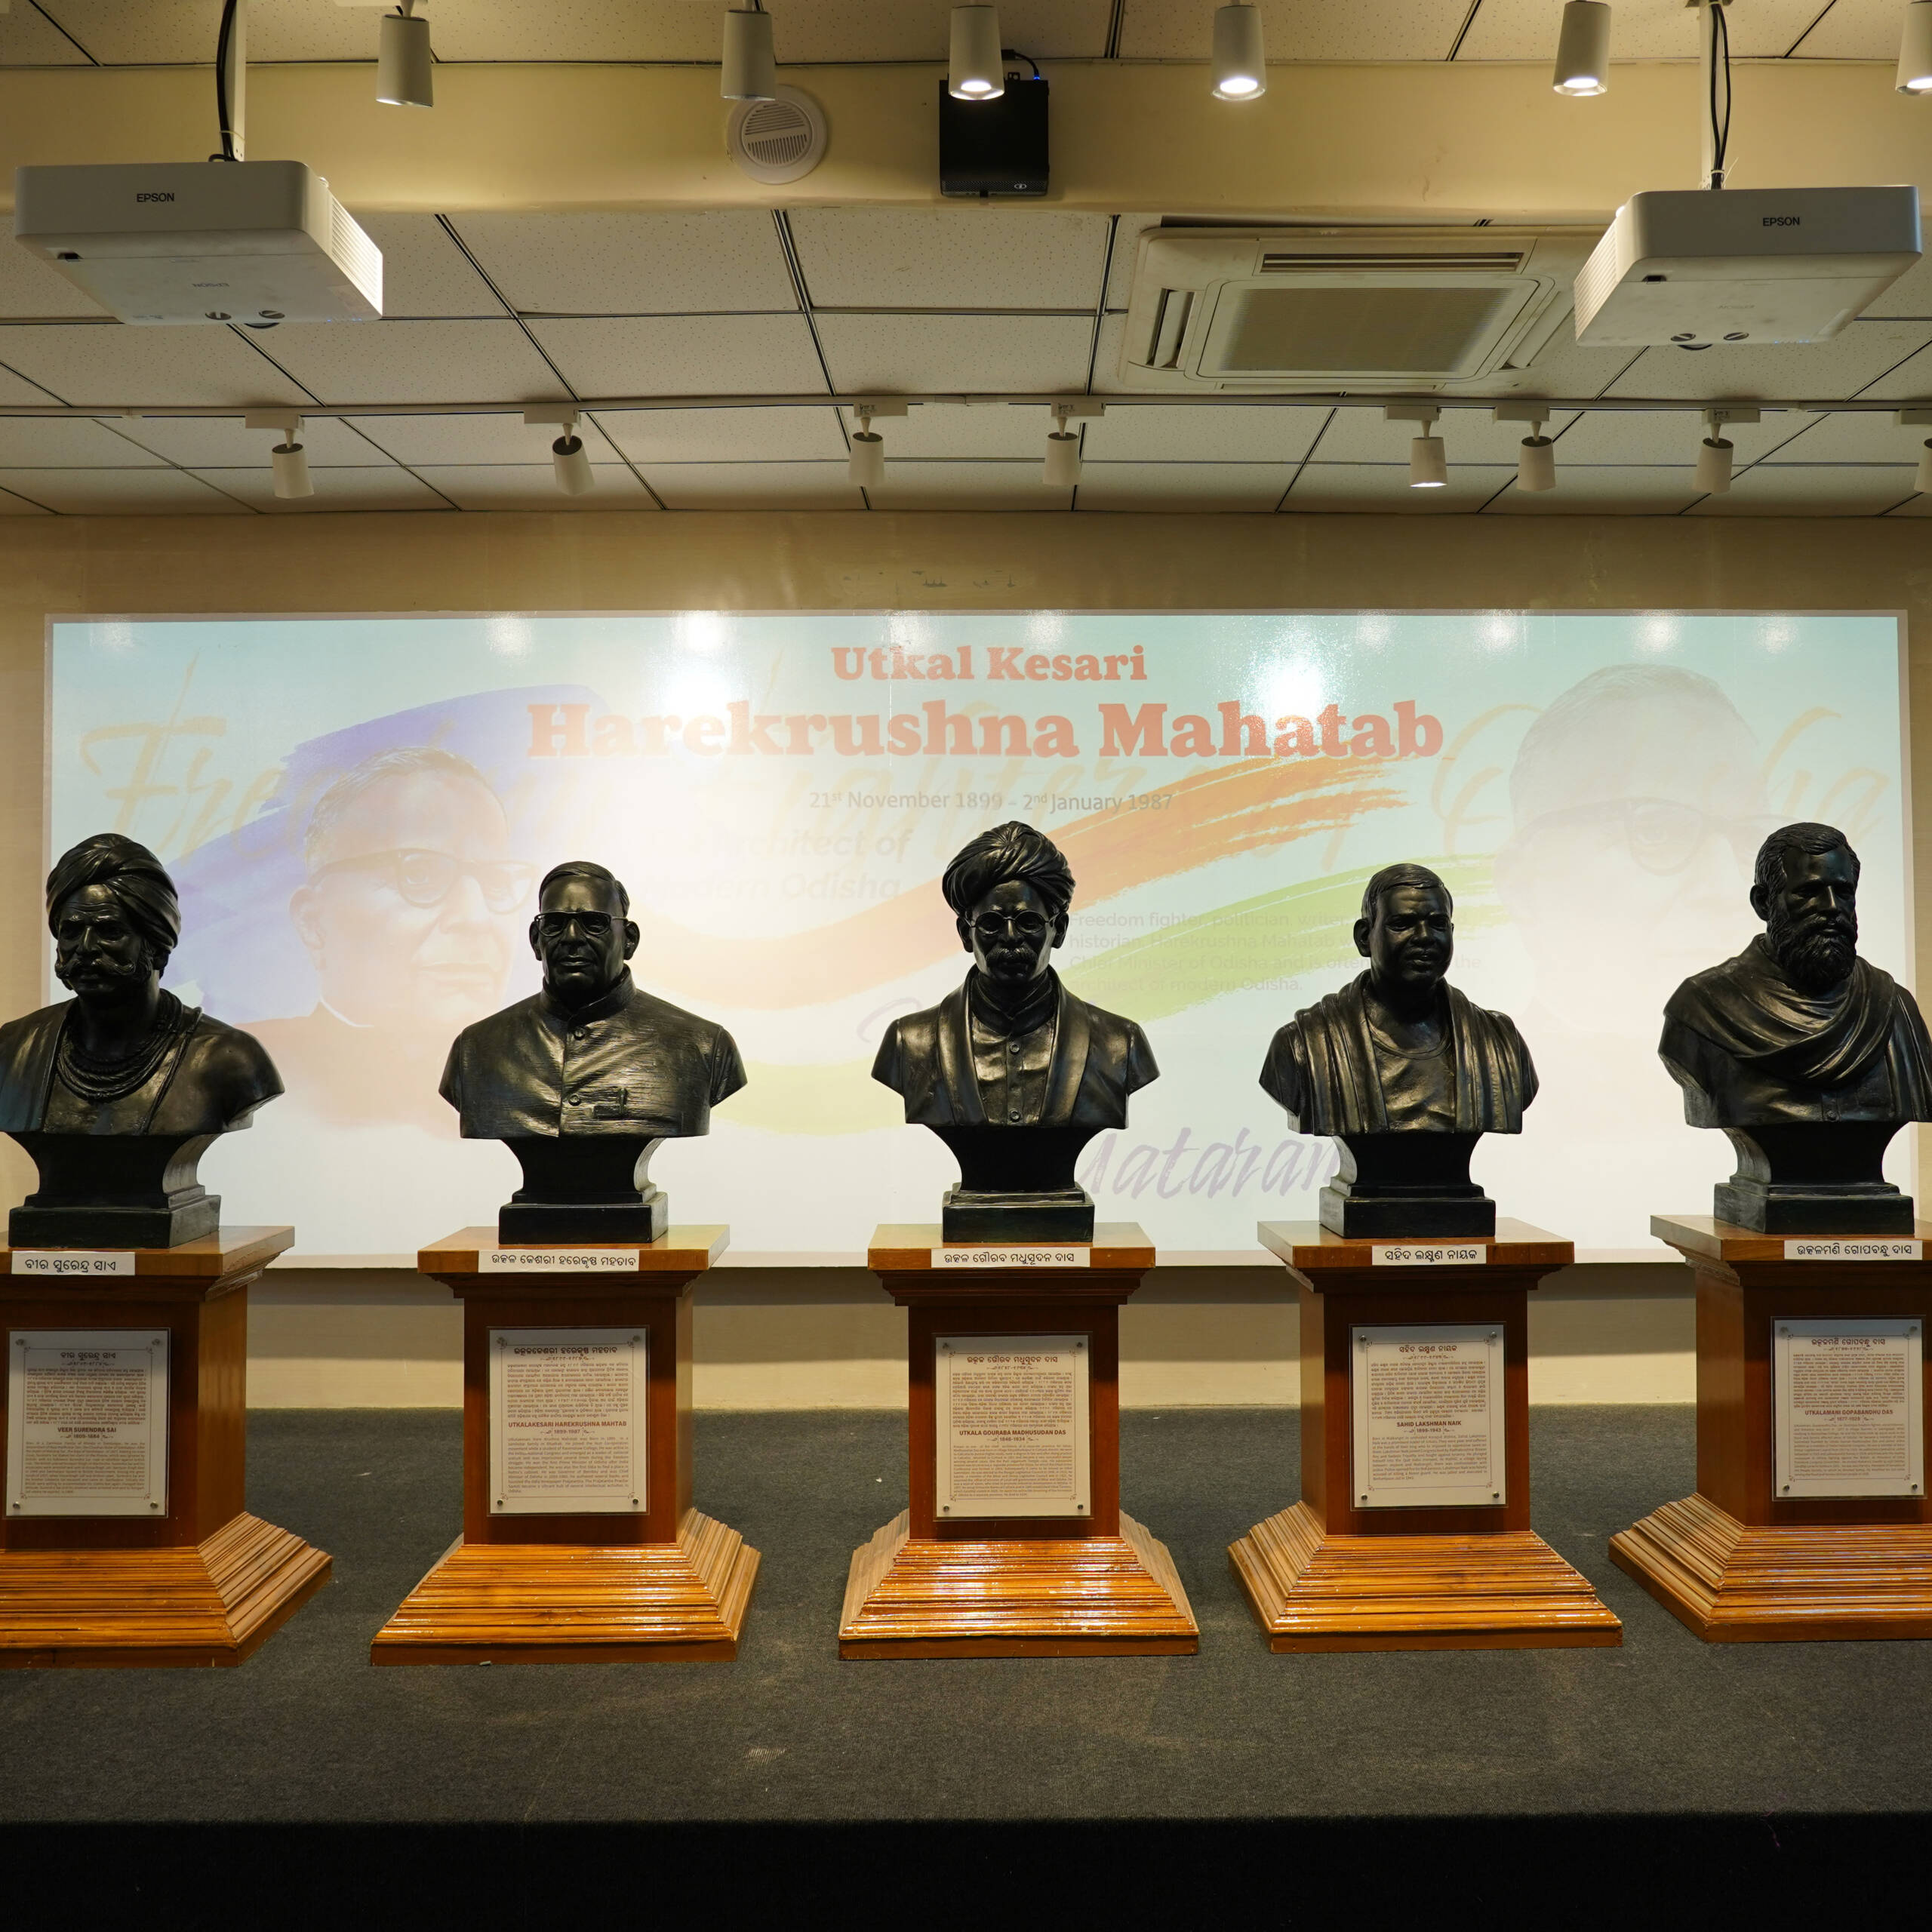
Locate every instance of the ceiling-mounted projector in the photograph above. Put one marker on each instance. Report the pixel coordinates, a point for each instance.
(254, 242)
(1697, 266)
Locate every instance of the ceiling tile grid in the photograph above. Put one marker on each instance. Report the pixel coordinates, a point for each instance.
(1384, 488)
(384, 488)
(1773, 489)
(967, 486)
(754, 486)
(1300, 30)
(727, 435)
(980, 257)
(895, 354)
(488, 440)
(531, 486)
(424, 272)
(1601, 490)
(87, 365)
(683, 355)
(1182, 486)
(119, 492)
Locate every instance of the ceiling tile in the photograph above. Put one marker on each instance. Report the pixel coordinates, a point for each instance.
(106, 363)
(632, 264)
(911, 353)
(383, 488)
(1361, 435)
(1779, 489)
(44, 442)
(418, 440)
(1910, 295)
(1231, 433)
(1301, 29)
(119, 492)
(684, 354)
(225, 442)
(754, 486)
(967, 486)
(1855, 30)
(12, 505)
(117, 33)
(533, 486)
(1861, 436)
(1640, 30)
(1588, 490)
(1563, 367)
(424, 272)
(960, 257)
(1182, 486)
(940, 430)
(1665, 437)
(349, 362)
(28, 38)
(1910, 381)
(27, 286)
(1919, 506)
(1841, 367)
(916, 30)
(726, 435)
(1384, 488)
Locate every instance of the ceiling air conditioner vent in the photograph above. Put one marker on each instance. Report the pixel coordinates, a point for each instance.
(1222, 309)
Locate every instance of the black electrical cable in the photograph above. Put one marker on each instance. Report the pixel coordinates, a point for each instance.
(1013, 53)
(221, 104)
(1720, 79)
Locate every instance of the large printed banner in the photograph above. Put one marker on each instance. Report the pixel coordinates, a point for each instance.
(357, 810)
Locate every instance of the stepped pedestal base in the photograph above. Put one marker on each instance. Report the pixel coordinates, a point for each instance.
(210, 1603)
(1736, 1583)
(681, 1602)
(1504, 1590)
(1089, 1596)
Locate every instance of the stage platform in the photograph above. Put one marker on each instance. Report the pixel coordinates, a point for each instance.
(1753, 1771)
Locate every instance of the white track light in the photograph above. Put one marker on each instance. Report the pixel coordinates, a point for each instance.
(1428, 463)
(1915, 49)
(289, 461)
(976, 69)
(749, 71)
(865, 466)
(575, 477)
(1241, 62)
(1536, 464)
(404, 73)
(1922, 482)
(1062, 465)
(1714, 455)
(1582, 49)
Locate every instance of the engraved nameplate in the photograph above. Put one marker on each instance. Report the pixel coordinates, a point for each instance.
(567, 1421)
(1013, 1257)
(1012, 1418)
(1849, 1407)
(1430, 1254)
(1429, 1416)
(557, 1261)
(1857, 1249)
(87, 1422)
(83, 1263)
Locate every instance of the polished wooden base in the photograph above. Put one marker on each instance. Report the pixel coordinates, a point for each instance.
(681, 1602)
(211, 1603)
(1736, 1583)
(1504, 1590)
(1032, 1597)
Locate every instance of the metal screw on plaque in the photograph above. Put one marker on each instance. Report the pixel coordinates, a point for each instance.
(1784, 1331)
(946, 1509)
(1495, 1496)
(1787, 1485)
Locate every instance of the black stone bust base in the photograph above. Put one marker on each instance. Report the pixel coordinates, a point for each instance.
(115, 1190)
(1812, 1178)
(1412, 1186)
(1015, 1184)
(591, 1189)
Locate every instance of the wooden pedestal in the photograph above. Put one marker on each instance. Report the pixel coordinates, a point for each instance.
(1738, 1562)
(666, 1584)
(1098, 1585)
(1327, 1576)
(204, 1582)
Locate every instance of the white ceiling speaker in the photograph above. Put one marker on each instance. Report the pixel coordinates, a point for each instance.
(777, 140)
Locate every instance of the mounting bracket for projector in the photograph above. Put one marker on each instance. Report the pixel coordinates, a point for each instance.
(1714, 72)
(231, 81)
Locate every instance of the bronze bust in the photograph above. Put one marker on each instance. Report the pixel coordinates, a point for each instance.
(117, 1093)
(1403, 1071)
(583, 1079)
(1011, 1048)
(1809, 1058)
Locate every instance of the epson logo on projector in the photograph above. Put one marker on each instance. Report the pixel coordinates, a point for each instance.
(154, 197)
(1784, 221)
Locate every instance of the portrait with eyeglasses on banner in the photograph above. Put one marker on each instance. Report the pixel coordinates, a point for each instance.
(410, 910)
(1013, 1048)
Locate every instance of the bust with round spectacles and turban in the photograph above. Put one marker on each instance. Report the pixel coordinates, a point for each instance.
(583, 1079)
(1808, 1058)
(1011, 1071)
(117, 1093)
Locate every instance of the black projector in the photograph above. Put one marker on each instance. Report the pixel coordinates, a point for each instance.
(994, 147)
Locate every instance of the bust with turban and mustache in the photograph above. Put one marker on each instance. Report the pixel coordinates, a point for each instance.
(124, 1065)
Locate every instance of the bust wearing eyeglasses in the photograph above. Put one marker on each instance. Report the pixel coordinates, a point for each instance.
(585, 1077)
(1404, 1072)
(1013, 1049)
(1809, 1058)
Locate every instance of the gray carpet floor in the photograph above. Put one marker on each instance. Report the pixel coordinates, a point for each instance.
(307, 1731)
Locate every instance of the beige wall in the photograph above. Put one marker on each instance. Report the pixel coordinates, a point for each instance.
(798, 1338)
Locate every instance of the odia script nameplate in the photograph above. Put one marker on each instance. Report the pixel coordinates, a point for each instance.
(1012, 1418)
(87, 1422)
(568, 1416)
(1427, 1415)
(1849, 1408)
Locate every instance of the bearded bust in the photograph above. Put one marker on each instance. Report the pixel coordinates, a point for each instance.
(1809, 1057)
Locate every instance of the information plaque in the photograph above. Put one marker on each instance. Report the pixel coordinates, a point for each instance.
(567, 1421)
(87, 1422)
(1849, 1407)
(1428, 1406)
(1011, 1412)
